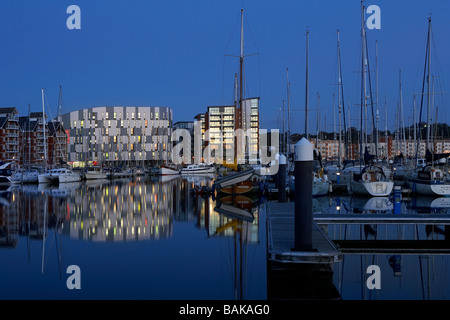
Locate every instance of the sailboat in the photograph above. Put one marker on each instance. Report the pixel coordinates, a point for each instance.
(321, 184)
(238, 177)
(431, 180)
(371, 180)
(46, 177)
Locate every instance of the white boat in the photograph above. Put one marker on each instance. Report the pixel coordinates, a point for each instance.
(26, 176)
(429, 181)
(64, 175)
(5, 174)
(233, 178)
(201, 168)
(371, 182)
(167, 170)
(321, 185)
(93, 173)
(48, 177)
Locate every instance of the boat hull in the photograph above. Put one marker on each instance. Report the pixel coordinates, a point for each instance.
(233, 179)
(238, 188)
(429, 188)
(168, 171)
(69, 177)
(199, 171)
(45, 178)
(321, 187)
(95, 175)
(374, 189)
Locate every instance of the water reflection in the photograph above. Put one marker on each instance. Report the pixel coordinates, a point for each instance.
(413, 257)
(119, 210)
(143, 210)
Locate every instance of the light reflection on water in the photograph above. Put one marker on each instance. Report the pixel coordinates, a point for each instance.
(140, 238)
(151, 238)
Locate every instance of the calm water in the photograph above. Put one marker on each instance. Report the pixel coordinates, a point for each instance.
(152, 238)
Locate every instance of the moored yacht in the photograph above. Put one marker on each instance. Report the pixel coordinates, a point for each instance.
(95, 173)
(5, 174)
(430, 181)
(371, 182)
(201, 168)
(48, 177)
(66, 175)
(165, 170)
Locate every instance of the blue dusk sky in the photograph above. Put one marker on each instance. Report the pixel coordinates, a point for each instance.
(181, 54)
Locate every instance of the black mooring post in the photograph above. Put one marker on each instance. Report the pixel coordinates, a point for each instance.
(282, 164)
(303, 157)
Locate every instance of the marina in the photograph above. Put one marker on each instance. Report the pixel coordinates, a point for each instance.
(166, 174)
(240, 245)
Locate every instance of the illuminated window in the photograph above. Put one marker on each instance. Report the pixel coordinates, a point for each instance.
(115, 139)
(82, 122)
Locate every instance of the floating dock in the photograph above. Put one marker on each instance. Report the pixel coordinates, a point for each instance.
(281, 238)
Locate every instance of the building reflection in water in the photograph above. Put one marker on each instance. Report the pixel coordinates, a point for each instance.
(123, 210)
(141, 208)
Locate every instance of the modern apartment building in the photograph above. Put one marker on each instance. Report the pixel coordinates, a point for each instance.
(116, 136)
(220, 129)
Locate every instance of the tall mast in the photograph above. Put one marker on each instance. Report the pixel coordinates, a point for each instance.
(377, 101)
(363, 82)
(241, 69)
(414, 118)
(402, 117)
(385, 128)
(339, 101)
(60, 103)
(43, 126)
(307, 80)
(284, 133)
(317, 121)
(334, 120)
(29, 137)
(429, 78)
(289, 113)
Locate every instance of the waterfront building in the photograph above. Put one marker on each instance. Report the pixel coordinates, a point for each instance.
(128, 136)
(220, 126)
(34, 149)
(189, 126)
(9, 134)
